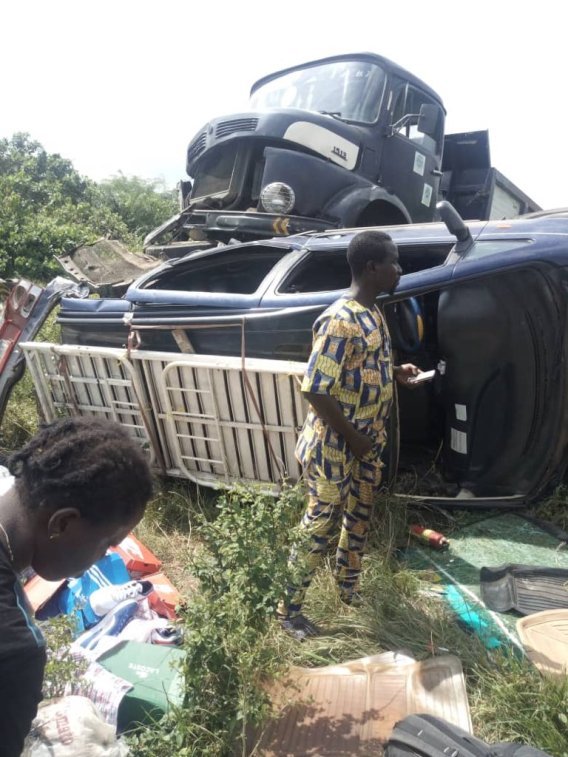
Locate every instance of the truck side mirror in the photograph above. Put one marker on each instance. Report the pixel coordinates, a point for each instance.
(428, 119)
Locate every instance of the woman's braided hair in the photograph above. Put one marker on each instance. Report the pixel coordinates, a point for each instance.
(87, 463)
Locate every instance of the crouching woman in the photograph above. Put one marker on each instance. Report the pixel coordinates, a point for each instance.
(77, 488)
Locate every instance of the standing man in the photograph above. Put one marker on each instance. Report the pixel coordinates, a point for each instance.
(348, 384)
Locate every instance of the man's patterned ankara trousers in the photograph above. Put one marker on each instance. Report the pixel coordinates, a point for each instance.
(341, 502)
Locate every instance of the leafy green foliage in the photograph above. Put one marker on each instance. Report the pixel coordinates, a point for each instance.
(242, 569)
(142, 205)
(62, 668)
(48, 209)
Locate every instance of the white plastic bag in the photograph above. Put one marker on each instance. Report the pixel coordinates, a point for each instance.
(72, 727)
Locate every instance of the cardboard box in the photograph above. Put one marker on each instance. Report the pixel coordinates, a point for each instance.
(39, 591)
(154, 672)
(139, 560)
(165, 597)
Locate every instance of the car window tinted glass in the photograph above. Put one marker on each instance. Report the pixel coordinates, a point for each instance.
(320, 272)
(233, 271)
(493, 246)
(328, 270)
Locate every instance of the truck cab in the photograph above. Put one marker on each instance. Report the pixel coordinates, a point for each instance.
(351, 140)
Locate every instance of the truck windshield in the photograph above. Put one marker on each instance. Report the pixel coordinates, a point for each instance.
(347, 89)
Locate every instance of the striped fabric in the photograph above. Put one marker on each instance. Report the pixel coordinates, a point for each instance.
(350, 361)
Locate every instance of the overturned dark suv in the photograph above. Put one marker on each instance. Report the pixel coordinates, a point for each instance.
(484, 305)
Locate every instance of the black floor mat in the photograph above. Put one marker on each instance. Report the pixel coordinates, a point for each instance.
(524, 588)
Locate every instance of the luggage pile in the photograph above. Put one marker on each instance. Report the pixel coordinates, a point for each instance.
(127, 644)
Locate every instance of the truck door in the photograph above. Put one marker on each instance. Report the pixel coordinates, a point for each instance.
(411, 160)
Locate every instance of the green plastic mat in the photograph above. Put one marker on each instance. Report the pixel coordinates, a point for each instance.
(488, 543)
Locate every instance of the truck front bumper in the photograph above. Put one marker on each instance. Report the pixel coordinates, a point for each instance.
(251, 225)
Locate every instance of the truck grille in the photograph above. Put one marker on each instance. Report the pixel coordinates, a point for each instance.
(197, 146)
(238, 124)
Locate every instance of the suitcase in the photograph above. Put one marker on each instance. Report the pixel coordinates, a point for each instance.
(428, 736)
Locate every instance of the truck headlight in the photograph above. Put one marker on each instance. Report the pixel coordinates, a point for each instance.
(277, 198)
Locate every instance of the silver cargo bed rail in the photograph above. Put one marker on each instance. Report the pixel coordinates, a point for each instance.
(200, 417)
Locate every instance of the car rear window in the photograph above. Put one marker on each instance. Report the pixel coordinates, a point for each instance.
(234, 271)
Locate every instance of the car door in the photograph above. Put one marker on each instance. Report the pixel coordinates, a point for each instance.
(314, 278)
(319, 277)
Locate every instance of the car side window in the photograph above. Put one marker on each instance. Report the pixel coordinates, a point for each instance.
(328, 270)
(323, 271)
(239, 271)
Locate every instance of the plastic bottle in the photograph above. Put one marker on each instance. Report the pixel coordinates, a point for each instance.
(430, 537)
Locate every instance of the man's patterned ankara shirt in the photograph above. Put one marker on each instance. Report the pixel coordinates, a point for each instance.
(350, 361)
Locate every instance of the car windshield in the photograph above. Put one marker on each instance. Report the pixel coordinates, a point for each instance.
(347, 89)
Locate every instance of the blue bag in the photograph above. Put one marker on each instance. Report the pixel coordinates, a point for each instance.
(74, 598)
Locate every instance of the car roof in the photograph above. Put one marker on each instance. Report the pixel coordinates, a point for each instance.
(534, 224)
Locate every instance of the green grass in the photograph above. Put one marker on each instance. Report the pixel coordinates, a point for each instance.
(236, 646)
(22, 415)
(509, 699)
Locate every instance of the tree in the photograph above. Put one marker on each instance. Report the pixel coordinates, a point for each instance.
(143, 205)
(47, 209)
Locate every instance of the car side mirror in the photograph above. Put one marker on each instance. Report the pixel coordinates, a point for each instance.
(428, 119)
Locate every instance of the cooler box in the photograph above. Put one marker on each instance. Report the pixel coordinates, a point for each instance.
(153, 670)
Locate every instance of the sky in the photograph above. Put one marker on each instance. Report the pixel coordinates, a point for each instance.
(123, 86)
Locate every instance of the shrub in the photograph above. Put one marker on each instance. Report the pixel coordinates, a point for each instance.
(242, 570)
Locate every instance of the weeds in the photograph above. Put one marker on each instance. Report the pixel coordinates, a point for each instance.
(61, 667)
(20, 421)
(235, 647)
(228, 556)
(555, 508)
(511, 701)
(241, 565)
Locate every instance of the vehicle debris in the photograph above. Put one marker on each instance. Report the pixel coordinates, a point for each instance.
(25, 310)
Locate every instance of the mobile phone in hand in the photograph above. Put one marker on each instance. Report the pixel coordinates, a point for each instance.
(422, 378)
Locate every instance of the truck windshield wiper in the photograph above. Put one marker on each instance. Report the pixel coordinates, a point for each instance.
(333, 114)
